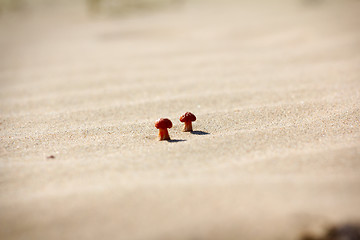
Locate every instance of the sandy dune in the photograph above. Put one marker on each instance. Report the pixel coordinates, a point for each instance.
(276, 148)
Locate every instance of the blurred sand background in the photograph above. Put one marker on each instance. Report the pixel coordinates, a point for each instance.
(275, 86)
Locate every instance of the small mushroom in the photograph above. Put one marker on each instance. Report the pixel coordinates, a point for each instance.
(188, 118)
(163, 124)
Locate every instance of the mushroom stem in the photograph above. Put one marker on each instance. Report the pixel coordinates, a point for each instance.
(163, 134)
(188, 127)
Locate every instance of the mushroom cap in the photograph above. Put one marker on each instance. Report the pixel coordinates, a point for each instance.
(163, 123)
(188, 117)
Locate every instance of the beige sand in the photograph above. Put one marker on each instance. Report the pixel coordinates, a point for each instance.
(276, 152)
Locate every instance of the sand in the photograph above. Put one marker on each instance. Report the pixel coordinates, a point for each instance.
(275, 153)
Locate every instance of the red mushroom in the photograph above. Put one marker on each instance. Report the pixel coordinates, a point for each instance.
(187, 118)
(163, 124)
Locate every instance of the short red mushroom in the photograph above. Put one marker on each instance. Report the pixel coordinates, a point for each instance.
(188, 118)
(163, 124)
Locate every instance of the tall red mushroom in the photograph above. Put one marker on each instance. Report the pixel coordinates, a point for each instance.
(163, 124)
(188, 118)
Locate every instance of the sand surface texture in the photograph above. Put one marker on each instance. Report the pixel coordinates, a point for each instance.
(276, 148)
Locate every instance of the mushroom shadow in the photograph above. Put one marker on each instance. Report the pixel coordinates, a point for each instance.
(176, 140)
(199, 133)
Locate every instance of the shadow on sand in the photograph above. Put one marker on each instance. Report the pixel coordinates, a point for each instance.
(199, 133)
(176, 140)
